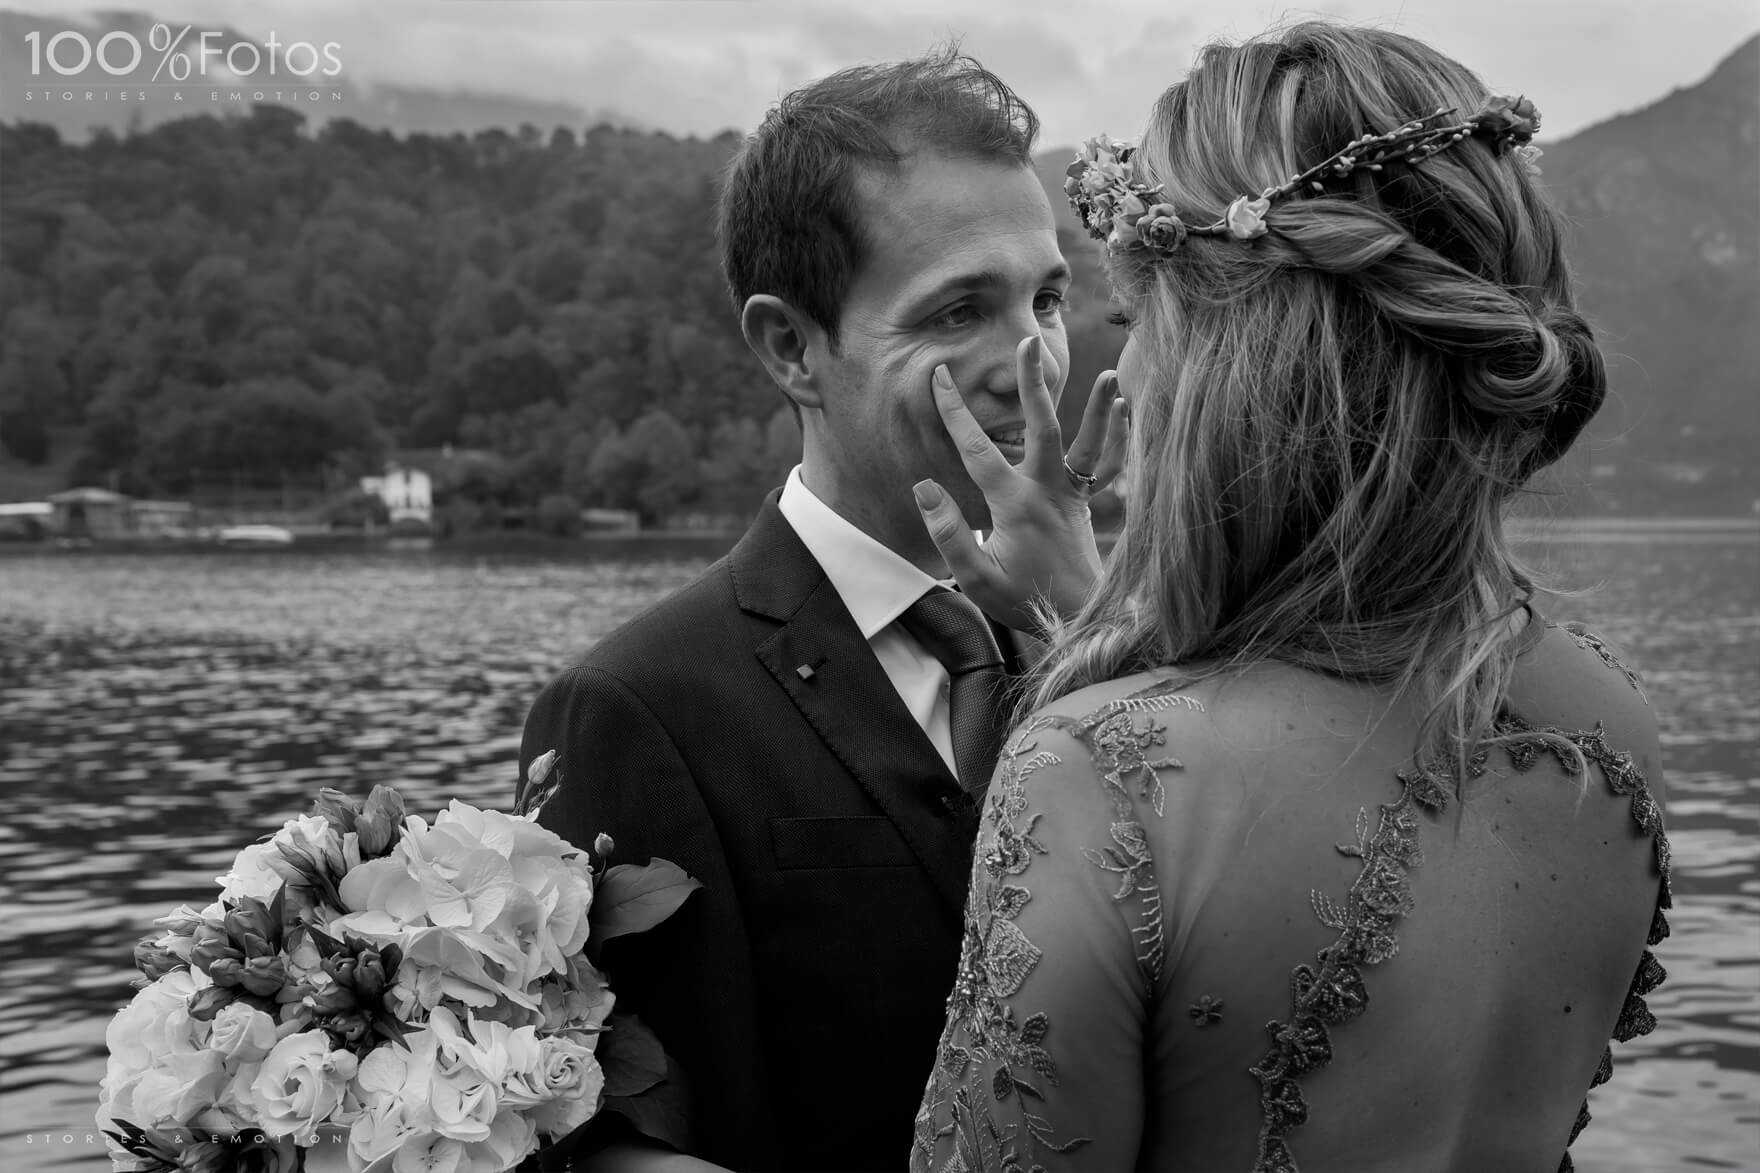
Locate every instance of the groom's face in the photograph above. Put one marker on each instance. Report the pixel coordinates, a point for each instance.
(963, 264)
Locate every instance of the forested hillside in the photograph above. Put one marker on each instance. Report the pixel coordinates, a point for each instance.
(253, 302)
(226, 301)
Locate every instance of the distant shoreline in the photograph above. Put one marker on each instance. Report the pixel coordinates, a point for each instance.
(1522, 529)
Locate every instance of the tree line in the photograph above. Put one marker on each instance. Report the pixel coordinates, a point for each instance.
(236, 301)
(249, 303)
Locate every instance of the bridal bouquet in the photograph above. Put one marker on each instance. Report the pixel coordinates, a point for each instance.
(422, 986)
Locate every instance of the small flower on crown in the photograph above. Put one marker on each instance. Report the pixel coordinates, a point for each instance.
(1511, 122)
(1103, 188)
(1116, 206)
(1245, 218)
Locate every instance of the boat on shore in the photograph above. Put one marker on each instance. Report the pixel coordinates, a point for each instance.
(254, 535)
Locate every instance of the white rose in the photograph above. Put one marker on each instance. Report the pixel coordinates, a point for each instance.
(242, 1034)
(301, 1083)
(573, 1080)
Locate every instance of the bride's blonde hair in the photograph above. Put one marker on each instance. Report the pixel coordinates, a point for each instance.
(1333, 419)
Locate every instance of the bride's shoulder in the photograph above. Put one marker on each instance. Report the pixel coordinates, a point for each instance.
(1573, 677)
(1190, 703)
(1126, 736)
(1133, 691)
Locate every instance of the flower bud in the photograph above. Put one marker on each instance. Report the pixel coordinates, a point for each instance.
(226, 971)
(540, 767)
(208, 1002)
(370, 978)
(331, 1000)
(264, 976)
(380, 822)
(352, 1026)
(250, 921)
(337, 809)
(154, 960)
(212, 950)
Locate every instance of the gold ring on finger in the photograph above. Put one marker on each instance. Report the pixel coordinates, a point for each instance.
(1080, 480)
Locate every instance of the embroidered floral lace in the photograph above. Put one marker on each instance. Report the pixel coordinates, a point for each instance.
(991, 1103)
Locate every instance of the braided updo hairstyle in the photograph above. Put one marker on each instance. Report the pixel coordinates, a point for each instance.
(1330, 421)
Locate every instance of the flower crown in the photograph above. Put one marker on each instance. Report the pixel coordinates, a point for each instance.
(1117, 207)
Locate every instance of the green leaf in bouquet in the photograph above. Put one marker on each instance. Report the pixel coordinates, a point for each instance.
(630, 899)
(661, 1112)
(155, 1156)
(387, 1025)
(630, 1056)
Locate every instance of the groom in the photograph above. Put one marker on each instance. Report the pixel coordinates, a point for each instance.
(806, 728)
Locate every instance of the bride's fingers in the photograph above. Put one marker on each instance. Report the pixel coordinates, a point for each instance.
(1089, 449)
(989, 469)
(1044, 457)
(1112, 456)
(952, 536)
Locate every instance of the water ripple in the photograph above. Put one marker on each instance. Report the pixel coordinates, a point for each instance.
(157, 712)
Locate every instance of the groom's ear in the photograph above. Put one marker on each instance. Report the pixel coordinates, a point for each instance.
(783, 339)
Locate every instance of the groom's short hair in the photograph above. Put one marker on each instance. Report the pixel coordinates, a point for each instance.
(789, 221)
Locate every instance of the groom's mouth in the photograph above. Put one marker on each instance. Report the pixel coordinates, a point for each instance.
(1011, 442)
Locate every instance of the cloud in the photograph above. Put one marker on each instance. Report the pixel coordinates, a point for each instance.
(695, 66)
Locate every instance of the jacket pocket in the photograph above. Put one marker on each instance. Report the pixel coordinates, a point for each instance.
(858, 841)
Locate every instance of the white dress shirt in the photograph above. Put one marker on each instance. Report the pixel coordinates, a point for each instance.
(876, 586)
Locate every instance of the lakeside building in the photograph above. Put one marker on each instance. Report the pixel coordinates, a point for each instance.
(408, 493)
(100, 514)
(90, 513)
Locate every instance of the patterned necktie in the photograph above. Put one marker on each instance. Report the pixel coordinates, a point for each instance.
(952, 629)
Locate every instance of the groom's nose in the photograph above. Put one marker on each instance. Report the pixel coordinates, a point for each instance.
(1000, 373)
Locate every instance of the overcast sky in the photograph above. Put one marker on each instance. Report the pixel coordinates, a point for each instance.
(698, 66)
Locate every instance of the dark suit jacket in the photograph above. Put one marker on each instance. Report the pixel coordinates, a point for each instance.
(743, 729)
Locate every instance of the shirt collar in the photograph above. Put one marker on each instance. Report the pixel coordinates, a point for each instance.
(875, 584)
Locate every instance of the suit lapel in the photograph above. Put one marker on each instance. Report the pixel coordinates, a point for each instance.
(818, 657)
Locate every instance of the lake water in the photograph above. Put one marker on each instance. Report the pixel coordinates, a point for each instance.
(159, 711)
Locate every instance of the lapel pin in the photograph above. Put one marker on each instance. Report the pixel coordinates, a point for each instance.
(805, 672)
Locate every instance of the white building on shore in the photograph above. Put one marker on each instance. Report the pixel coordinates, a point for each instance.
(408, 493)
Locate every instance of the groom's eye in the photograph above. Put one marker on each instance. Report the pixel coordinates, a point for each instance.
(956, 316)
(1049, 301)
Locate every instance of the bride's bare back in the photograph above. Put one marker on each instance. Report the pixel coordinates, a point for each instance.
(1213, 929)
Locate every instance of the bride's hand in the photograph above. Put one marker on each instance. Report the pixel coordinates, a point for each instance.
(1041, 540)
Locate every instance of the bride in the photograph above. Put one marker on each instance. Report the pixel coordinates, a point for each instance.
(1319, 844)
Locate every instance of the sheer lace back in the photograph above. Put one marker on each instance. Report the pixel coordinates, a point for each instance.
(1031, 1003)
